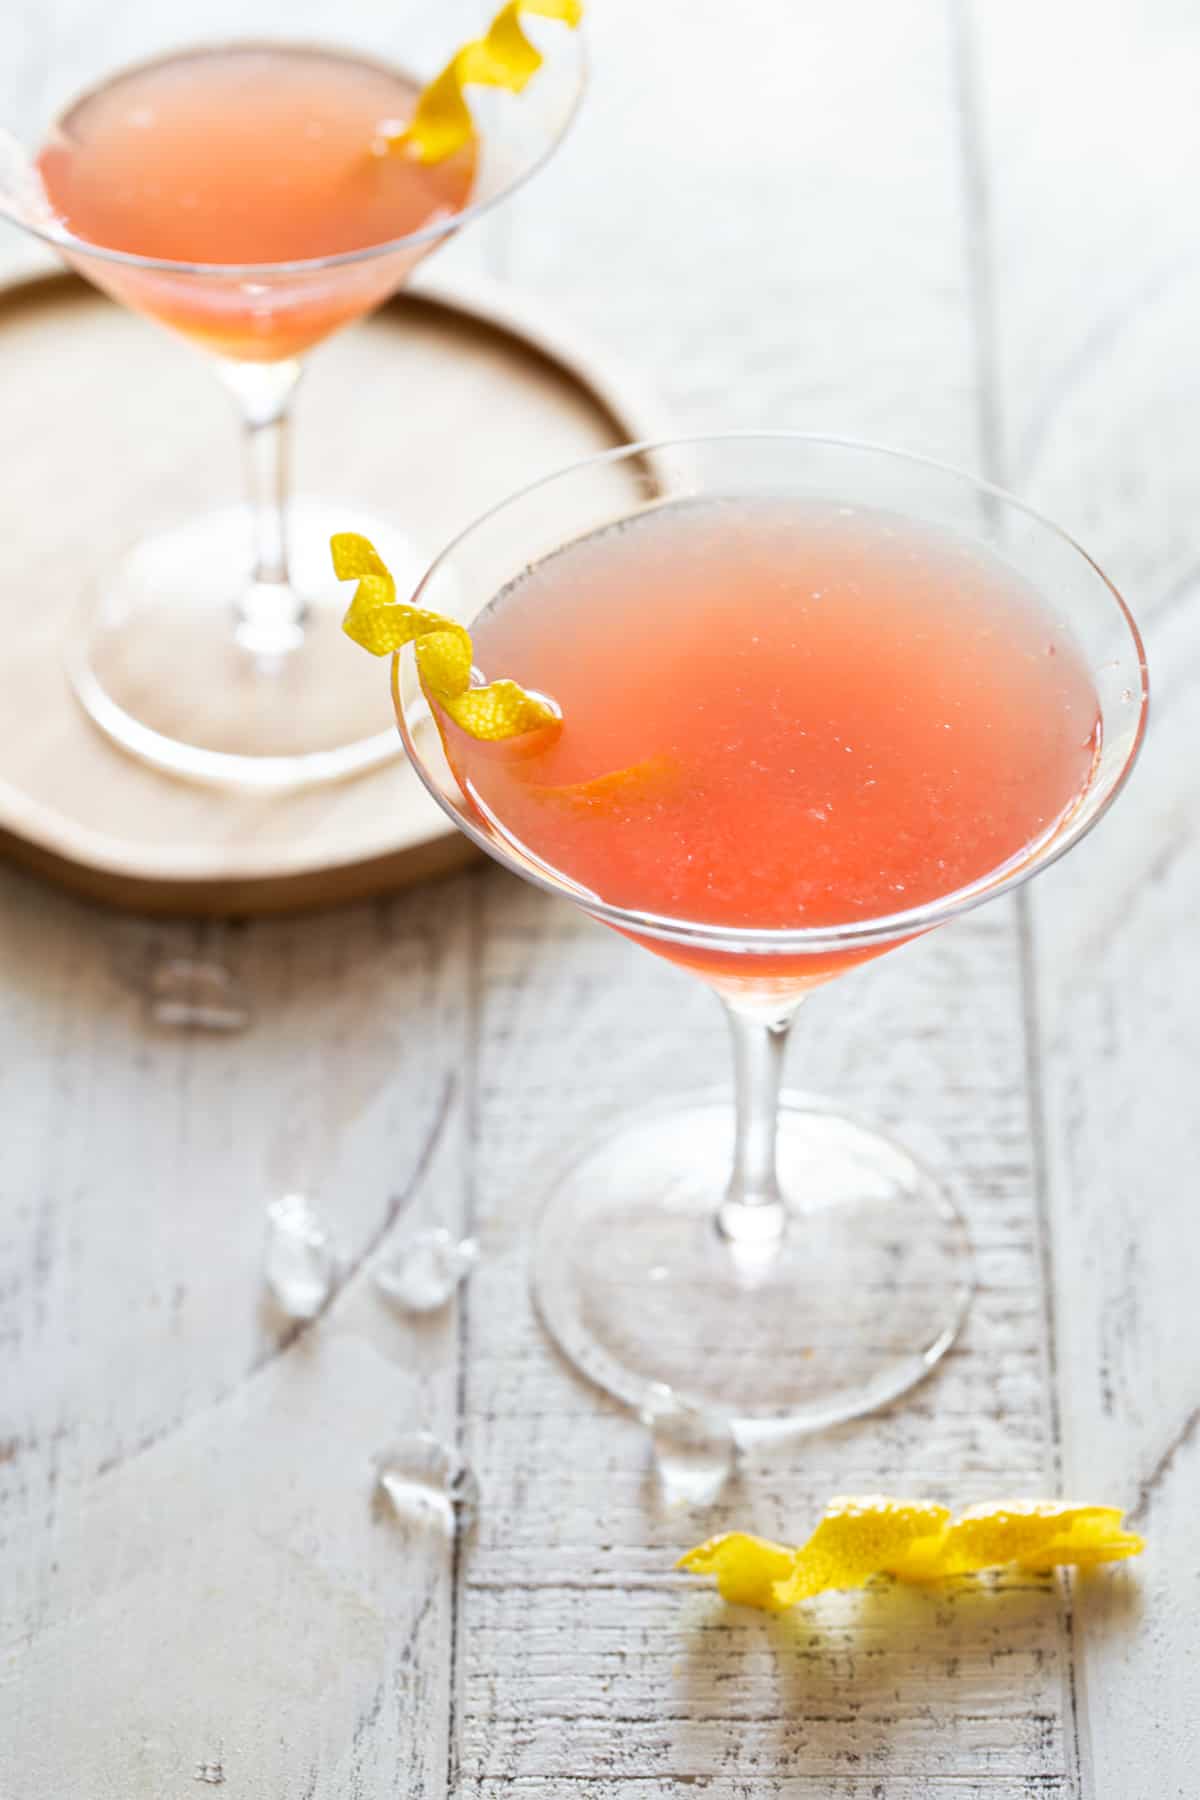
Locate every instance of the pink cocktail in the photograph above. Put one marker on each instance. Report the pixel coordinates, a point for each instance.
(816, 699)
(837, 714)
(249, 154)
(256, 197)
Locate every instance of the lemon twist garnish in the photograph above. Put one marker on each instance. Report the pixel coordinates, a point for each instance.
(503, 58)
(914, 1540)
(654, 778)
(381, 623)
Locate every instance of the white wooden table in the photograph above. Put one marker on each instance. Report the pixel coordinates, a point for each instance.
(965, 228)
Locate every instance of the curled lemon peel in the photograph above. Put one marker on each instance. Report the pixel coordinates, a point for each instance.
(913, 1540)
(652, 779)
(504, 57)
(381, 623)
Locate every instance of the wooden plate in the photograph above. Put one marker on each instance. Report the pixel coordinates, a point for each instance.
(449, 398)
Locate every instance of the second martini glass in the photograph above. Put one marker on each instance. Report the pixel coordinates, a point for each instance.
(816, 699)
(244, 195)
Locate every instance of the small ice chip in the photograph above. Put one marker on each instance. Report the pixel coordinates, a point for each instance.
(425, 1269)
(301, 1261)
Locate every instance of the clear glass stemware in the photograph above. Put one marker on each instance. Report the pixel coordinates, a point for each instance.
(774, 1263)
(212, 649)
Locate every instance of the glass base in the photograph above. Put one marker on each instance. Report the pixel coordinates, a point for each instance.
(865, 1290)
(156, 661)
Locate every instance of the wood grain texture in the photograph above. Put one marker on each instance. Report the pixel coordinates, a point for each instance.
(185, 1472)
(869, 242)
(1097, 382)
(152, 439)
(575, 1547)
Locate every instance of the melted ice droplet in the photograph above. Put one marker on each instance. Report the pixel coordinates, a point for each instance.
(429, 1484)
(426, 1268)
(301, 1259)
(694, 1450)
(193, 994)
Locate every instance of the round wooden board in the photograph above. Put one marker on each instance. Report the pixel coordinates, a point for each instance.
(450, 397)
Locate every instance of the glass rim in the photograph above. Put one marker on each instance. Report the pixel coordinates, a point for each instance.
(749, 940)
(50, 232)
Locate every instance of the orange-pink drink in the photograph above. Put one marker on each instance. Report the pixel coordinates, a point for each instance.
(248, 154)
(827, 714)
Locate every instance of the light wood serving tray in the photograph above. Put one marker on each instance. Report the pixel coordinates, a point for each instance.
(449, 398)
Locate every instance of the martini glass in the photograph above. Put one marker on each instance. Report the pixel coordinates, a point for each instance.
(769, 1262)
(241, 194)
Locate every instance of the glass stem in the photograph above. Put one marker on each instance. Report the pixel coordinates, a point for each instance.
(752, 1213)
(270, 613)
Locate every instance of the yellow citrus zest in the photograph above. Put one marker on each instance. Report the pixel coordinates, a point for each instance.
(381, 623)
(504, 58)
(913, 1540)
(654, 778)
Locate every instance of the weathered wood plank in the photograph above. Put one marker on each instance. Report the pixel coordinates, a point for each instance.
(173, 1450)
(576, 1546)
(1095, 302)
(150, 1667)
(764, 209)
(789, 1787)
(772, 215)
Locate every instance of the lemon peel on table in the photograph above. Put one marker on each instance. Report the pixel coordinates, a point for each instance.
(913, 1540)
(504, 57)
(1023, 1534)
(382, 623)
